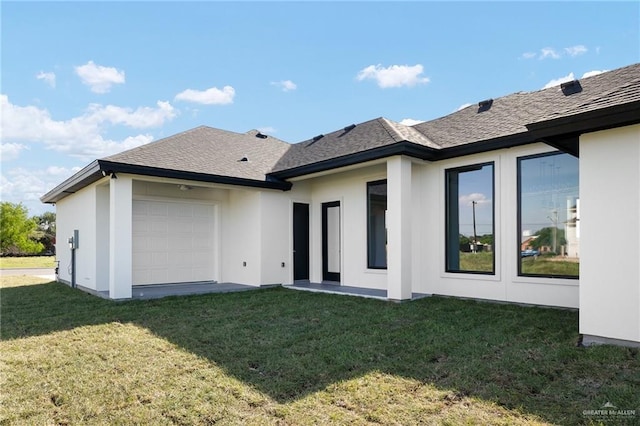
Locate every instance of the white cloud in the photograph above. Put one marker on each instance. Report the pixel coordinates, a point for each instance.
(394, 76)
(212, 96)
(463, 106)
(576, 50)
(99, 78)
(285, 85)
(48, 77)
(143, 117)
(411, 122)
(549, 52)
(267, 129)
(592, 73)
(21, 185)
(559, 81)
(11, 151)
(82, 136)
(553, 53)
(466, 200)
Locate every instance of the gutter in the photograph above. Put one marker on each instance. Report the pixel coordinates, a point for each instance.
(98, 169)
(589, 121)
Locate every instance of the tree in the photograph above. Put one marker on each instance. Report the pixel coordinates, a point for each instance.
(46, 233)
(17, 231)
(546, 238)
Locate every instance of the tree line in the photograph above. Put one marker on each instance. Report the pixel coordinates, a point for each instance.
(24, 235)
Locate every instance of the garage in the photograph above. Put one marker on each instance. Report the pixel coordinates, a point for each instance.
(173, 242)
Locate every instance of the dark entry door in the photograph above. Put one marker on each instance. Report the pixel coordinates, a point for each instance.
(300, 241)
(331, 241)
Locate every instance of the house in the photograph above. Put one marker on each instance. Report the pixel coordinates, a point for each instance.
(380, 205)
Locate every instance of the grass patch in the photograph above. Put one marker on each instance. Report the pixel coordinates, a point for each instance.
(27, 262)
(278, 356)
(479, 262)
(546, 266)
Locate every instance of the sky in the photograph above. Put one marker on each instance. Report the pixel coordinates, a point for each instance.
(84, 80)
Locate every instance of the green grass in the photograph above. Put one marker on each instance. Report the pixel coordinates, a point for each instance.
(27, 262)
(479, 262)
(546, 266)
(279, 356)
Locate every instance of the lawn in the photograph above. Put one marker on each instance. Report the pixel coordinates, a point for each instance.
(27, 262)
(547, 266)
(541, 265)
(278, 356)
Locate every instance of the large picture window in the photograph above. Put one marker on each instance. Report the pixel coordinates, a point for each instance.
(548, 216)
(469, 219)
(376, 225)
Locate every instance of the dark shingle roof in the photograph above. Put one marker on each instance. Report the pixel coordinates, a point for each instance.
(212, 155)
(509, 115)
(365, 136)
(209, 151)
(504, 123)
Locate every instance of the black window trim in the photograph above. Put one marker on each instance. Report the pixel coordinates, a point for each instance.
(369, 266)
(470, 168)
(519, 218)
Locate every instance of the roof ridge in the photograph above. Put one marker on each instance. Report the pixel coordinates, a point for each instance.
(390, 128)
(411, 134)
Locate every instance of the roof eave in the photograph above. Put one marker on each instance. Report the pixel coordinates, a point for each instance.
(95, 171)
(400, 148)
(90, 174)
(590, 121)
(135, 169)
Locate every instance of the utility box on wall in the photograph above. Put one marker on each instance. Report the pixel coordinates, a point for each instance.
(73, 241)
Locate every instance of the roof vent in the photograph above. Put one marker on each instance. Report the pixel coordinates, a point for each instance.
(349, 128)
(317, 138)
(261, 135)
(244, 159)
(571, 87)
(485, 105)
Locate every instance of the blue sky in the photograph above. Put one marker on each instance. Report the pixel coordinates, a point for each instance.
(82, 80)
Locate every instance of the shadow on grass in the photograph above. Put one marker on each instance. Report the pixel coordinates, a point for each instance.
(289, 344)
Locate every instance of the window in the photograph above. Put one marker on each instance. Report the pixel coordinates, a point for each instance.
(469, 219)
(548, 216)
(376, 225)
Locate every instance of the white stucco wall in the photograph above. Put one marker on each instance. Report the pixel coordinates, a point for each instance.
(275, 232)
(255, 230)
(427, 229)
(610, 234)
(77, 212)
(429, 272)
(241, 242)
(350, 188)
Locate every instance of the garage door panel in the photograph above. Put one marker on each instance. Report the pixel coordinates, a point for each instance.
(160, 275)
(180, 210)
(157, 208)
(173, 242)
(141, 276)
(181, 275)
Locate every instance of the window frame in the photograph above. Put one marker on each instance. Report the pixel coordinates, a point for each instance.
(519, 161)
(447, 218)
(369, 266)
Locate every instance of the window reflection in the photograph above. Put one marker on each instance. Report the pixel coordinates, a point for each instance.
(549, 215)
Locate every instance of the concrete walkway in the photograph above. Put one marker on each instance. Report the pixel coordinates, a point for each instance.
(46, 273)
(335, 288)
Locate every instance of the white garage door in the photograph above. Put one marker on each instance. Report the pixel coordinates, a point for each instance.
(173, 242)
